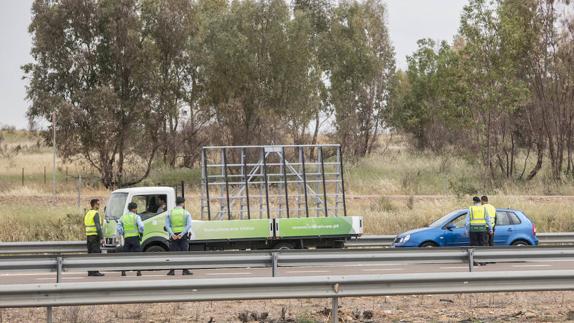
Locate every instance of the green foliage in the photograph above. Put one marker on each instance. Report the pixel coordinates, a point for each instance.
(498, 93)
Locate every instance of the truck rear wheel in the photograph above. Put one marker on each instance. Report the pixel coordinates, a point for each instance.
(284, 246)
(155, 248)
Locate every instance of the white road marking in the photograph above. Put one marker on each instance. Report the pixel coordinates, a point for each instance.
(54, 279)
(519, 266)
(307, 271)
(380, 269)
(217, 274)
(42, 274)
(458, 267)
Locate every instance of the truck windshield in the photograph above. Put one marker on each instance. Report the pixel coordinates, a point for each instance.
(115, 206)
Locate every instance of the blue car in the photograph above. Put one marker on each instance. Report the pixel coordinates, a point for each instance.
(513, 228)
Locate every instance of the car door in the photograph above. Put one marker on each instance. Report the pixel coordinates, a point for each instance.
(503, 229)
(456, 236)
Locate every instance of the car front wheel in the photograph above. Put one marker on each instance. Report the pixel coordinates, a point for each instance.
(428, 244)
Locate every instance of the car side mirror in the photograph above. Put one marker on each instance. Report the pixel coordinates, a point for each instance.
(450, 227)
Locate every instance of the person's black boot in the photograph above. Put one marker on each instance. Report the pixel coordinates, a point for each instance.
(186, 272)
(171, 272)
(139, 273)
(123, 273)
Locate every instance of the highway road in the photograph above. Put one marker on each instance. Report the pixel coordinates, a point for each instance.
(345, 269)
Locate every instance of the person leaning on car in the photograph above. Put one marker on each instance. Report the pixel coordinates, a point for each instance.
(478, 223)
(492, 214)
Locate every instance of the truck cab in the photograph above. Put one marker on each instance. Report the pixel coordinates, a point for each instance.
(153, 204)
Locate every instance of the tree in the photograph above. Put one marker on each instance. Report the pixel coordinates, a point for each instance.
(91, 70)
(361, 69)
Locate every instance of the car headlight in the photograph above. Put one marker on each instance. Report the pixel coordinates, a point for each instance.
(405, 238)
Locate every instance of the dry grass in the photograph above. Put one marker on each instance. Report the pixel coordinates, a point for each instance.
(518, 307)
(29, 213)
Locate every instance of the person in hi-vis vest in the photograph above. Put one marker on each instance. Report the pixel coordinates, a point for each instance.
(491, 210)
(94, 237)
(131, 227)
(178, 227)
(478, 223)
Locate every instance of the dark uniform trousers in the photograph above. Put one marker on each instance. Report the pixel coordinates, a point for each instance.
(93, 247)
(180, 244)
(479, 238)
(491, 238)
(132, 244)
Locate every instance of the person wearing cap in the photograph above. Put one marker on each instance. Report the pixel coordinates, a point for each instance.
(131, 227)
(178, 227)
(478, 223)
(491, 211)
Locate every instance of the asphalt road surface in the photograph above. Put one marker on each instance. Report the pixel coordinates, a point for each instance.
(346, 269)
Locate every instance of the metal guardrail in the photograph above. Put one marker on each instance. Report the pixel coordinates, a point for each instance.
(40, 247)
(275, 259)
(367, 241)
(93, 293)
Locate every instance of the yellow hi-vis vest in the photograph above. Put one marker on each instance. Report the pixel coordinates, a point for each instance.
(129, 222)
(90, 223)
(491, 213)
(177, 220)
(477, 218)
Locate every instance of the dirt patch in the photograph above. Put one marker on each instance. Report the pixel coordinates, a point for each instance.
(502, 307)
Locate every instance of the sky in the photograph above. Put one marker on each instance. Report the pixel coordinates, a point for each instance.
(408, 21)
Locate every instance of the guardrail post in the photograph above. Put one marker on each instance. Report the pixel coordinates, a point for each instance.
(470, 259)
(59, 269)
(335, 310)
(49, 314)
(273, 264)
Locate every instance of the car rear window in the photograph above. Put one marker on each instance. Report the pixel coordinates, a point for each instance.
(507, 218)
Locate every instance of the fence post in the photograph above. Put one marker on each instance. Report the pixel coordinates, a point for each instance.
(45, 175)
(183, 189)
(470, 259)
(335, 310)
(274, 264)
(79, 190)
(22, 176)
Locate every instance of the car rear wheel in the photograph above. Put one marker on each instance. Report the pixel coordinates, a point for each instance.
(520, 243)
(428, 244)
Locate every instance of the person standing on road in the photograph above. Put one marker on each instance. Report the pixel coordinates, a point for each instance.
(94, 236)
(478, 223)
(131, 227)
(178, 227)
(491, 212)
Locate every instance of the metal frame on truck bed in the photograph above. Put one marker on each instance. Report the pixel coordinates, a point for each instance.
(276, 181)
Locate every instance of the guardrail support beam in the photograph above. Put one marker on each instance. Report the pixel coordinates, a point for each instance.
(335, 310)
(274, 264)
(59, 269)
(470, 259)
(49, 314)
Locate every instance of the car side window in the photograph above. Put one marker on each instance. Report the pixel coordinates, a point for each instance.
(459, 222)
(502, 218)
(514, 219)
